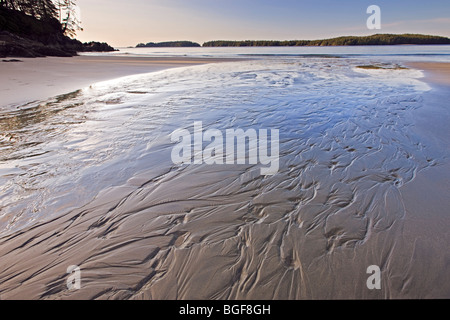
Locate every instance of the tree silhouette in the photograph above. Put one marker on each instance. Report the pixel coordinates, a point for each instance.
(68, 17)
(65, 11)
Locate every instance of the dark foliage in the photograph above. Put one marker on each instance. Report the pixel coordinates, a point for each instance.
(377, 39)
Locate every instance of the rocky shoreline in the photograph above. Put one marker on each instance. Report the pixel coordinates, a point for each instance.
(27, 37)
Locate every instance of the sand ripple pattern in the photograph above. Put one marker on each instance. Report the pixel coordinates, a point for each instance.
(156, 230)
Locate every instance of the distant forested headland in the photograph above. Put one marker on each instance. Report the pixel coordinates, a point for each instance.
(37, 28)
(168, 44)
(374, 40)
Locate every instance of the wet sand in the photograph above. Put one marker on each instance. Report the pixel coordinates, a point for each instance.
(40, 78)
(425, 231)
(141, 241)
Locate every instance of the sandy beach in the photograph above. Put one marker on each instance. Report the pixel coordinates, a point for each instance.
(337, 206)
(40, 78)
(231, 153)
(435, 72)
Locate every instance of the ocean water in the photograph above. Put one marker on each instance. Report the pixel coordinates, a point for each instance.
(103, 153)
(406, 52)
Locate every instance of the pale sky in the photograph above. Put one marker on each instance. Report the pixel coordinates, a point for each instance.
(127, 23)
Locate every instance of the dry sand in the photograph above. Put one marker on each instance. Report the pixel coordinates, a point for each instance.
(41, 78)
